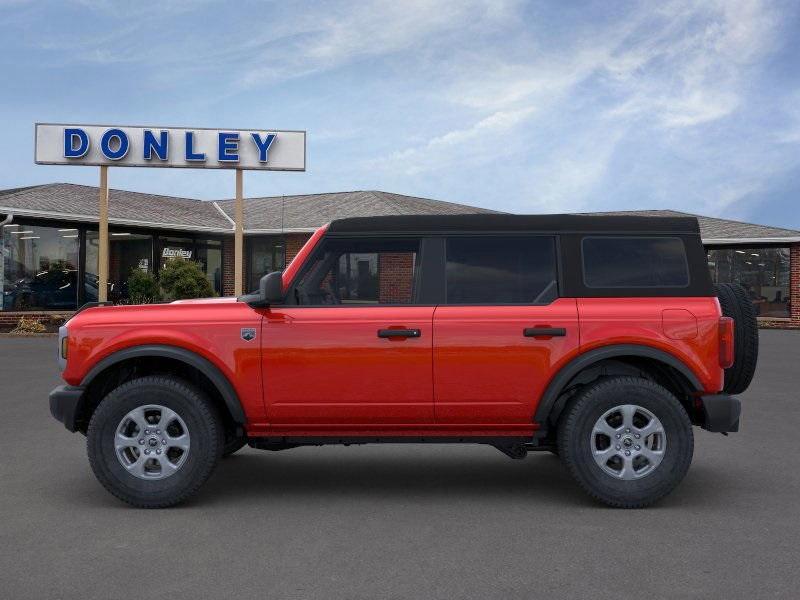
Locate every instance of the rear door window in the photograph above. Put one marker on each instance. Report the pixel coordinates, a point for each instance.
(495, 270)
(634, 262)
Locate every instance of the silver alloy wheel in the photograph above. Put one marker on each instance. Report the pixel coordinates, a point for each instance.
(628, 442)
(152, 442)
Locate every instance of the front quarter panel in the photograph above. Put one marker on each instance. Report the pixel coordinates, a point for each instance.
(211, 330)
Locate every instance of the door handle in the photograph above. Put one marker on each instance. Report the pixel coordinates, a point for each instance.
(544, 332)
(399, 333)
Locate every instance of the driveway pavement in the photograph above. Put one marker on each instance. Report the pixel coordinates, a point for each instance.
(411, 522)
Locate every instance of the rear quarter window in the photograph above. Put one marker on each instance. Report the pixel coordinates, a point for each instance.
(634, 262)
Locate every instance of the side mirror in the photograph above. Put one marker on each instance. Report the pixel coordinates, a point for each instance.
(271, 287)
(270, 291)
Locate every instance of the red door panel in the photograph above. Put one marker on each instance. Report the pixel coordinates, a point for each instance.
(329, 366)
(486, 370)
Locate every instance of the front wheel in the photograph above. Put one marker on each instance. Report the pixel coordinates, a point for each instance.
(153, 441)
(626, 440)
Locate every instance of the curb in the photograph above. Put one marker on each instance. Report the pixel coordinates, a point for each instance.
(25, 335)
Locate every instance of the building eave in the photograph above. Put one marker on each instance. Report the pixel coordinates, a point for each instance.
(284, 230)
(113, 221)
(750, 241)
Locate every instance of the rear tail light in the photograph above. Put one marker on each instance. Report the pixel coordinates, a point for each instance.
(726, 342)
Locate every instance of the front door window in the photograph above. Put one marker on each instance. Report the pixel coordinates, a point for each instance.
(360, 272)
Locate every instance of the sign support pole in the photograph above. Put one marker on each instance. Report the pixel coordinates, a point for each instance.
(102, 255)
(238, 254)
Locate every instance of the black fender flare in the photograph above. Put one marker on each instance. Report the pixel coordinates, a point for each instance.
(206, 367)
(587, 359)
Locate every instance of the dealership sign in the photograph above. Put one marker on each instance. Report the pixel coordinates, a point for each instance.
(110, 145)
(176, 253)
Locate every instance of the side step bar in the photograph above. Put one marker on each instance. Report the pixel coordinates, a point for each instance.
(513, 447)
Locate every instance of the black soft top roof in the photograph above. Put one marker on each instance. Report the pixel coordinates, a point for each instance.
(521, 223)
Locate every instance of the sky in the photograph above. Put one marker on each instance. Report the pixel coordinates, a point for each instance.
(527, 107)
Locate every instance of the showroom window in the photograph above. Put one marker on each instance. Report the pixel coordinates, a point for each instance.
(39, 267)
(128, 251)
(264, 255)
(763, 272)
(209, 255)
(206, 252)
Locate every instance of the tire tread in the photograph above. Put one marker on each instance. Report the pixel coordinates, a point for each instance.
(207, 412)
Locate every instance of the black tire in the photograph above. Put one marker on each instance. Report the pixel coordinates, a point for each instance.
(735, 304)
(233, 444)
(575, 438)
(202, 422)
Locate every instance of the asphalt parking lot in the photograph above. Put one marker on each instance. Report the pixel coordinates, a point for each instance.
(417, 522)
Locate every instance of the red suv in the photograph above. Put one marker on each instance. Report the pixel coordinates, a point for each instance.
(599, 338)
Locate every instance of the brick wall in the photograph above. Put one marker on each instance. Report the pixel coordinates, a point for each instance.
(294, 241)
(13, 317)
(395, 277)
(794, 283)
(228, 267)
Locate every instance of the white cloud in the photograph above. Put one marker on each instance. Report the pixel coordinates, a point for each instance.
(668, 69)
(329, 38)
(485, 140)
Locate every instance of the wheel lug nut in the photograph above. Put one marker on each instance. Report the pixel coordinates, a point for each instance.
(164, 442)
(637, 435)
(627, 452)
(147, 451)
(158, 451)
(141, 441)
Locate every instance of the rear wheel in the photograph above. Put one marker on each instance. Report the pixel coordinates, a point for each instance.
(626, 440)
(153, 441)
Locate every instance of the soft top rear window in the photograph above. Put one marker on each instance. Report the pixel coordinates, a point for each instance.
(634, 262)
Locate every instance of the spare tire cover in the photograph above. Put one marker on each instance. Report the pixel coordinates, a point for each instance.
(735, 304)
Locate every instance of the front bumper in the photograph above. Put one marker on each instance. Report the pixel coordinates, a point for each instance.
(721, 413)
(65, 402)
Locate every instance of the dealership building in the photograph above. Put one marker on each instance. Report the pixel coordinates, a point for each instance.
(50, 249)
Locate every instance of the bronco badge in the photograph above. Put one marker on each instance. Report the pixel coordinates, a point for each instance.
(248, 334)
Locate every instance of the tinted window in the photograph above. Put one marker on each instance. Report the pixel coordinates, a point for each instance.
(360, 272)
(634, 262)
(513, 270)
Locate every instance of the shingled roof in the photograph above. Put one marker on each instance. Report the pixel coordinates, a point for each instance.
(270, 214)
(70, 202)
(306, 213)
